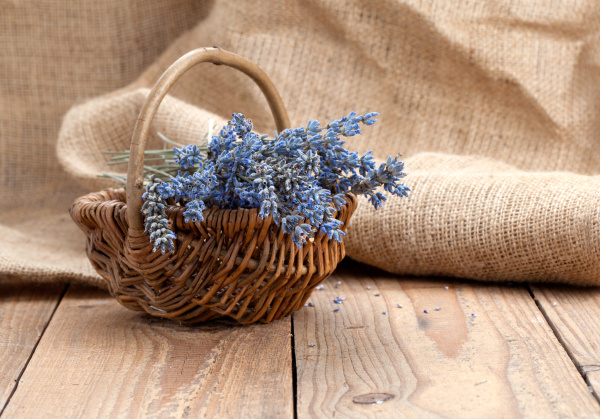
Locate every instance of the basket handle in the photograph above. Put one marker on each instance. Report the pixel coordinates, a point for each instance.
(215, 55)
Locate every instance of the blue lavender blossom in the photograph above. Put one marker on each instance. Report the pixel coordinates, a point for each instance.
(193, 212)
(187, 156)
(301, 233)
(155, 218)
(331, 227)
(369, 119)
(300, 178)
(351, 127)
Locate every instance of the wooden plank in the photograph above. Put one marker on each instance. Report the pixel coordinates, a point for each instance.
(593, 378)
(574, 313)
(25, 309)
(505, 362)
(98, 359)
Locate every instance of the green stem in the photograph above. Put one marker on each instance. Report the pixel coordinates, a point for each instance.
(115, 177)
(160, 172)
(166, 140)
(112, 163)
(211, 124)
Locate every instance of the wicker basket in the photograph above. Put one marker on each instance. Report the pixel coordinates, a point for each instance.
(232, 264)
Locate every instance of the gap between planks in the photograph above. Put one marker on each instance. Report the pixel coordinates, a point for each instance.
(98, 359)
(577, 328)
(505, 362)
(26, 309)
(574, 315)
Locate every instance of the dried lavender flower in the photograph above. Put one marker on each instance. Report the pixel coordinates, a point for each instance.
(300, 178)
(155, 217)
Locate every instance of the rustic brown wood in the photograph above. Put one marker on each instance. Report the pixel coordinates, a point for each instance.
(574, 313)
(25, 310)
(593, 378)
(98, 359)
(505, 362)
(232, 264)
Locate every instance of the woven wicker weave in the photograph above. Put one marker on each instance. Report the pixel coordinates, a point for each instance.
(233, 263)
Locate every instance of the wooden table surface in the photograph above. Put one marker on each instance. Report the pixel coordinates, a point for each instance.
(491, 350)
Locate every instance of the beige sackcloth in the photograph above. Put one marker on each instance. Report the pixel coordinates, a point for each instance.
(495, 106)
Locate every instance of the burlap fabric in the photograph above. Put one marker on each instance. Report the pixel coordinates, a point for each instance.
(495, 106)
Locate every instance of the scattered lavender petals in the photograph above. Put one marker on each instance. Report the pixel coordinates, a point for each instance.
(377, 294)
(368, 287)
(473, 315)
(336, 309)
(309, 304)
(398, 305)
(384, 312)
(312, 345)
(320, 287)
(425, 311)
(554, 304)
(437, 309)
(445, 288)
(338, 301)
(337, 284)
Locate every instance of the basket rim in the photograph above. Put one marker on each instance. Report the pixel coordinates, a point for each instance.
(118, 198)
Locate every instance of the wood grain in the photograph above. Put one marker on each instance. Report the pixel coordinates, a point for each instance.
(25, 310)
(505, 362)
(593, 378)
(98, 359)
(574, 313)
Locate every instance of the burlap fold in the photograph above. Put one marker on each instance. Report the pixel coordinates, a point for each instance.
(495, 106)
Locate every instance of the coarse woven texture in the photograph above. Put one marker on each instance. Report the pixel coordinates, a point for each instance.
(233, 263)
(495, 106)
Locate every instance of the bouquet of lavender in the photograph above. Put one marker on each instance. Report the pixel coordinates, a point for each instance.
(299, 177)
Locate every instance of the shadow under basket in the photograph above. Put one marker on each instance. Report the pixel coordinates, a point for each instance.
(233, 264)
